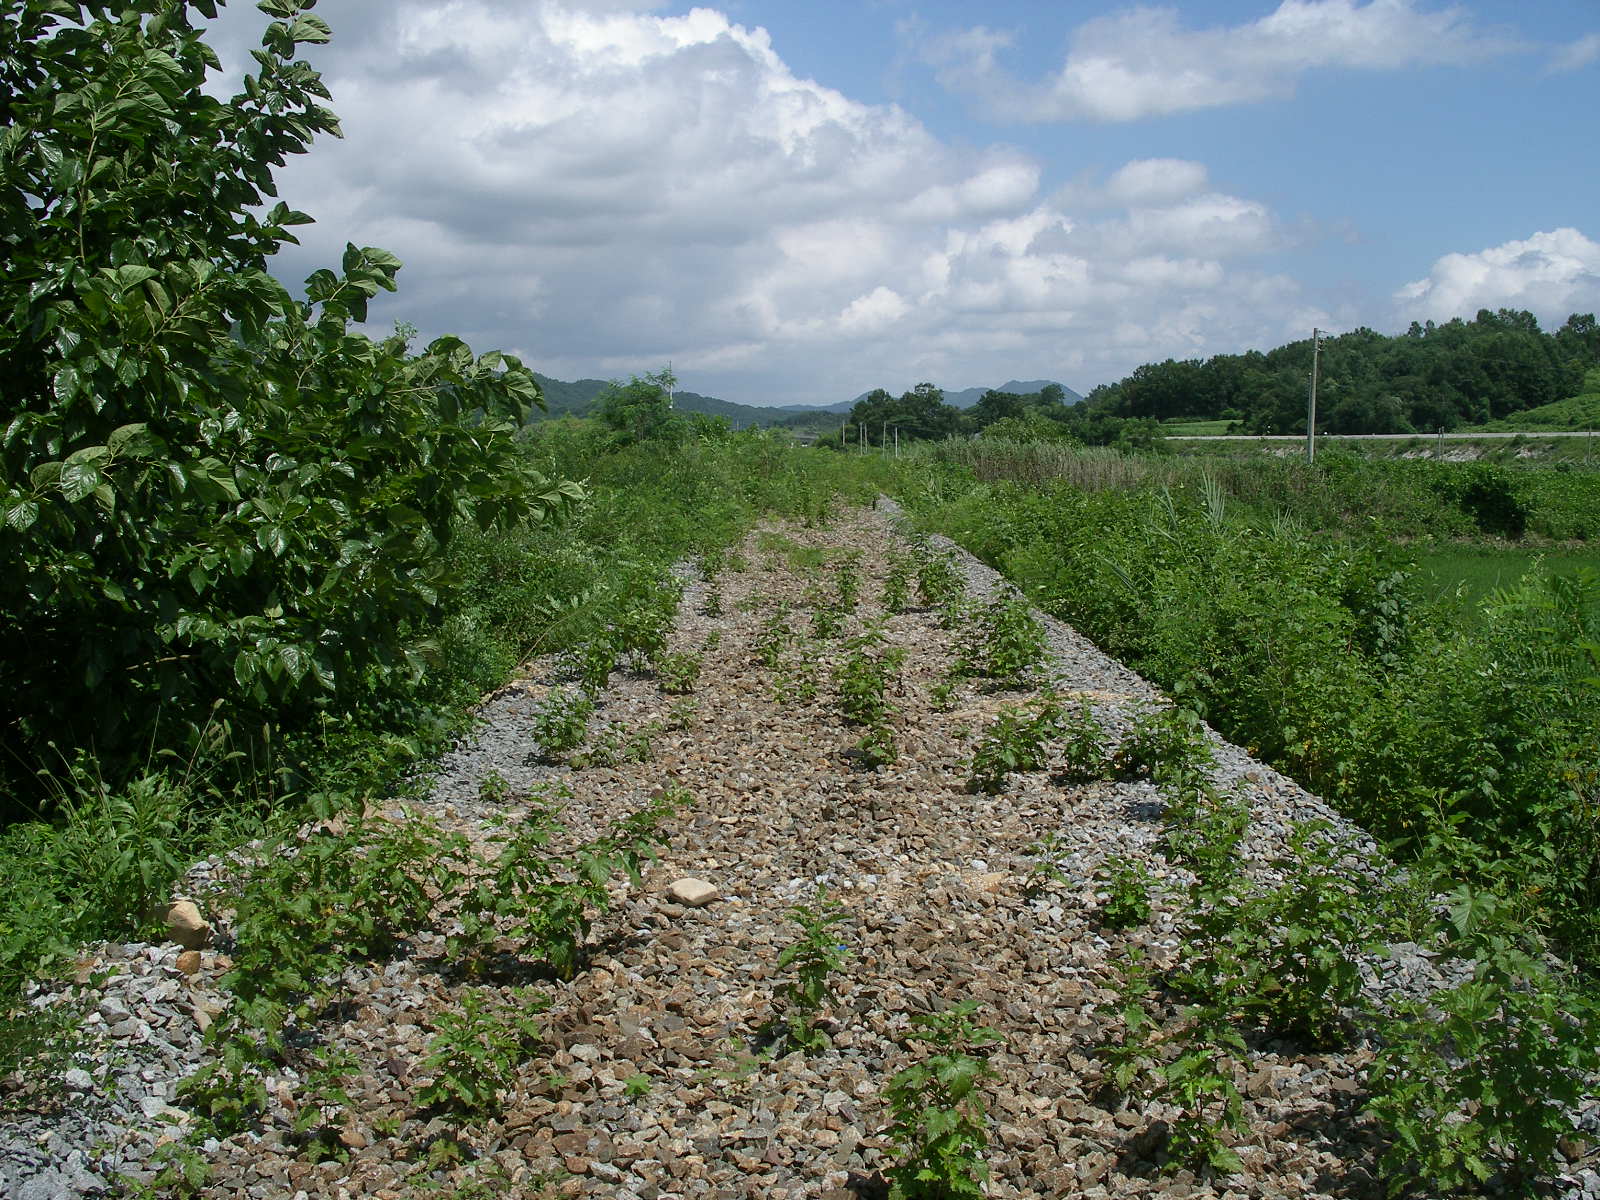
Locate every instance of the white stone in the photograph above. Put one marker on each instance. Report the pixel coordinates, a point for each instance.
(696, 893)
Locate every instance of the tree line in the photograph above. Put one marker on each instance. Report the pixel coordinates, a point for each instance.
(922, 414)
(1428, 378)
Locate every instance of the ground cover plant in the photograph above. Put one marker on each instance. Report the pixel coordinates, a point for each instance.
(939, 1120)
(813, 961)
(1318, 652)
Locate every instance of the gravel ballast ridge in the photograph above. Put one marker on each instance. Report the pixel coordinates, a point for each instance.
(942, 903)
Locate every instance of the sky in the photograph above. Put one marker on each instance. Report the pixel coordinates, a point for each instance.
(795, 203)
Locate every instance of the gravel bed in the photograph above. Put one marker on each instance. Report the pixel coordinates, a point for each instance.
(944, 903)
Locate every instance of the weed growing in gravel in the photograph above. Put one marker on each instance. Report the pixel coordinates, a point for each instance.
(1482, 1079)
(876, 748)
(1199, 1082)
(1082, 746)
(321, 1103)
(542, 904)
(1001, 641)
(1189, 1065)
(477, 1048)
(180, 1172)
(493, 788)
(1018, 740)
(896, 595)
(682, 714)
(1127, 883)
(592, 663)
(636, 1087)
(863, 678)
(1167, 745)
(939, 583)
(797, 681)
(1045, 869)
(678, 672)
(774, 637)
(847, 581)
(939, 1126)
(352, 887)
(813, 958)
(1286, 957)
(1203, 831)
(561, 722)
(641, 628)
(1130, 1055)
(711, 602)
(615, 745)
(827, 621)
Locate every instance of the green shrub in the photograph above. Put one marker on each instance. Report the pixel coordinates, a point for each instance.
(813, 959)
(476, 1049)
(1481, 1079)
(939, 1126)
(1018, 740)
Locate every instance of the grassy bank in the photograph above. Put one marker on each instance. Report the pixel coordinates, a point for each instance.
(1278, 601)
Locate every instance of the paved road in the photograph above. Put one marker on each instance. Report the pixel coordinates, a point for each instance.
(1363, 437)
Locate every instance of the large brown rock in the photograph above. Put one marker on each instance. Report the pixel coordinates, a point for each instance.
(185, 925)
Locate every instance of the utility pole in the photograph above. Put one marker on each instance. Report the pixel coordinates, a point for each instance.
(897, 441)
(1311, 404)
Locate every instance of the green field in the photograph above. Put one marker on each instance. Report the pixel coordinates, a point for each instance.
(1199, 427)
(1474, 572)
(1576, 413)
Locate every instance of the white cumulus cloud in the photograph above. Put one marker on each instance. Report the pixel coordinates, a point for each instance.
(1550, 274)
(1144, 62)
(601, 188)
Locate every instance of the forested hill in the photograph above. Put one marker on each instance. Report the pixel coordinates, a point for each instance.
(1428, 378)
(578, 397)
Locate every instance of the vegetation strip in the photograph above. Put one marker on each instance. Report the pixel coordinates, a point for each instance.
(1159, 974)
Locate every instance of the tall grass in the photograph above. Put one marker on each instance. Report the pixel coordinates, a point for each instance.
(1341, 492)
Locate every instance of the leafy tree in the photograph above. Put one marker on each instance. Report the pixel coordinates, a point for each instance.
(220, 505)
(995, 406)
(919, 413)
(640, 408)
